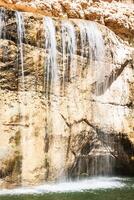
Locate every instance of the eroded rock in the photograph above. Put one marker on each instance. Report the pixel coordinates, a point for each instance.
(47, 137)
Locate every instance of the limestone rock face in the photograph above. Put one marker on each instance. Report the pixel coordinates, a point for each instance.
(81, 122)
(119, 17)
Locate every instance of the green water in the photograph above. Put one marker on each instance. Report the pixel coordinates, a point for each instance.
(116, 194)
(124, 193)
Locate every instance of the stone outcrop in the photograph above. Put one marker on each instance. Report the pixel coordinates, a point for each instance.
(119, 17)
(68, 134)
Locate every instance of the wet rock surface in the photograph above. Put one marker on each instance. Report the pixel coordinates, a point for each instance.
(117, 16)
(72, 128)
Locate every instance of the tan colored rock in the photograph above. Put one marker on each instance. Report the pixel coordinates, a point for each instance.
(57, 134)
(119, 17)
(46, 139)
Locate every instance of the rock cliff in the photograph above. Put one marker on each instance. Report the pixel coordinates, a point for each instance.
(81, 123)
(117, 16)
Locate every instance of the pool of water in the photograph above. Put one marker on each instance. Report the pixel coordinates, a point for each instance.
(100, 188)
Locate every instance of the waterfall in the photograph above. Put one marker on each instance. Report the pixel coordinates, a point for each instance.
(92, 47)
(24, 97)
(20, 32)
(51, 62)
(52, 91)
(81, 50)
(2, 21)
(69, 50)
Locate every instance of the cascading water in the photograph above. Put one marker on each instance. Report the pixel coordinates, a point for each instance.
(92, 48)
(69, 50)
(52, 89)
(20, 31)
(63, 67)
(22, 95)
(2, 15)
(51, 62)
(3, 29)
